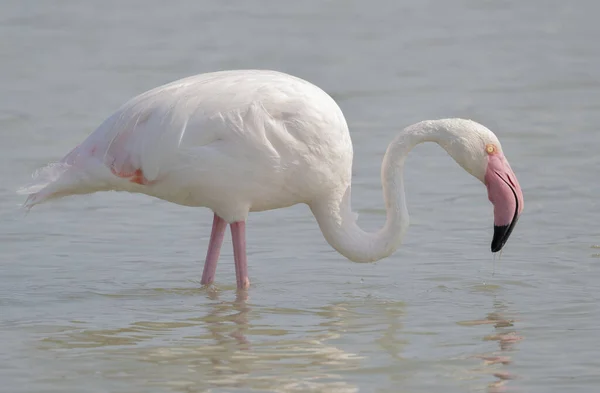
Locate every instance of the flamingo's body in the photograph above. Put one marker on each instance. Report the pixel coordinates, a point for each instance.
(241, 141)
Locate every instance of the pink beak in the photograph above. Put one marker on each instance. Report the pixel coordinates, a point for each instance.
(505, 194)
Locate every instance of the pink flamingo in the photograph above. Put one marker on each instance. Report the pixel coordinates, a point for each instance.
(253, 140)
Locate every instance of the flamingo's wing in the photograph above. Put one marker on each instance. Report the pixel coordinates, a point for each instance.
(162, 129)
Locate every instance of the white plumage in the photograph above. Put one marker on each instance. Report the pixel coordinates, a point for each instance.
(230, 141)
(250, 140)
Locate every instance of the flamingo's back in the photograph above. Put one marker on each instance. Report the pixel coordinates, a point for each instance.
(206, 138)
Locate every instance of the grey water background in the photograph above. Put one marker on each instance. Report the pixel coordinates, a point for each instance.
(101, 293)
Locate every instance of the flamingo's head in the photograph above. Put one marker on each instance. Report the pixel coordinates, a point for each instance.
(479, 152)
(505, 194)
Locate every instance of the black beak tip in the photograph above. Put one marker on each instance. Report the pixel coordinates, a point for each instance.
(498, 240)
(501, 235)
(497, 244)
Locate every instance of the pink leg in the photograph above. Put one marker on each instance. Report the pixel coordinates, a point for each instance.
(214, 249)
(238, 235)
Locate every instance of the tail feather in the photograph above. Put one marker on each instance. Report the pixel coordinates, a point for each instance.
(46, 184)
(80, 173)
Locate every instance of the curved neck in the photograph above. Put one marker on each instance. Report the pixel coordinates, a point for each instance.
(338, 222)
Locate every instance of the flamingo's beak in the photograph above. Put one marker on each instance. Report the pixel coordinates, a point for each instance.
(505, 194)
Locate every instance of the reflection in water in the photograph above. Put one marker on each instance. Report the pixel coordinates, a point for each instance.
(219, 316)
(235, 344)
(506, 336)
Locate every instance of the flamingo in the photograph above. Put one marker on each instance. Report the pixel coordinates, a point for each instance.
(241, 141)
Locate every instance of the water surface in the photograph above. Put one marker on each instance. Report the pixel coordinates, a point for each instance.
(102, 293)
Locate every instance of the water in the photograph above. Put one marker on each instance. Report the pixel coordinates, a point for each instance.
(102, 293)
